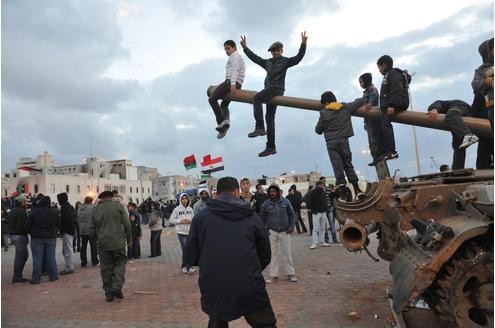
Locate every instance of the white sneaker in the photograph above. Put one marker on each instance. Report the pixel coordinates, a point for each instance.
(292, 278)
(313, 246)
(270, 280)
(225, 124)
(325, 245)
(468, 140)
(360, 195)
(184, 270)
(192, 270)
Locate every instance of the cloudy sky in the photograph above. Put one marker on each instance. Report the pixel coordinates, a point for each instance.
(128, 78)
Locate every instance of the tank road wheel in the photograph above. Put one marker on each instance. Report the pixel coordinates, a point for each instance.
(463, 291)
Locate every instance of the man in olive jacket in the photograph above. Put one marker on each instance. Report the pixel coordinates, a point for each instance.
(111, 228)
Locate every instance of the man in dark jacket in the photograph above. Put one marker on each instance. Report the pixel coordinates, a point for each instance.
(276, 68)
(230, 244)
(18, 235)
(317, 202)
(372, 125)
(462, 137)
(295, 199)
(43, 225)
(394, 98)
(67, 229)
(335, 123)
(111, 228)
(260, 197)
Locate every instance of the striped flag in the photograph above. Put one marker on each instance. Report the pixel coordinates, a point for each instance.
(210, 165)
(190, 162)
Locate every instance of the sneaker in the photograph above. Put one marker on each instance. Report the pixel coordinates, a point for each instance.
(267, 152)
(54, 279)
(184, 270)
(468, 140)
(119, 294)
(360, 195)
(392, 155)
(65, 272)
(109, 298)
(257, 133)
(97, 264)
(292, 278)
(20, 281)
(34, 282)
(221, 134)
(192, 270)
(270, 280)
(325, 245)
(313, 246)
(225, 125)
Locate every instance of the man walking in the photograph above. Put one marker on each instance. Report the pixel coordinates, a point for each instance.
(317, 202)
(67, 229)
(84, 214)
(18, 235)
(230, 244)
(110, 227)
(295, 199)
(280, 219)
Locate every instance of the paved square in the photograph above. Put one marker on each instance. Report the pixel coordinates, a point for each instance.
(332, 283)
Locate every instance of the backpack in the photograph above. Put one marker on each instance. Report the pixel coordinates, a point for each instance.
(406, 80)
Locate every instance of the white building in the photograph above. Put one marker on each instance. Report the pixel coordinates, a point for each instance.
(166, 187)
(79, 180)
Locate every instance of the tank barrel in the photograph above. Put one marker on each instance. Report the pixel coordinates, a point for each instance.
(480, 127)
(353, 236)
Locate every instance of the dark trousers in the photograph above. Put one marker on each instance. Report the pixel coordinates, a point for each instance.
(84, 247)
(261, 97)
(341, 160)
(221, 111)
(183, 241)
(261, 319)
(484, 158)
(310, 221)
(155, 243)
(76, 241)
(134, 251)
(112, 270)
(456, 123)
(375, 139)
(459, 156)
(388, 139)
(43, 251)
(21, 254)
(299, 222)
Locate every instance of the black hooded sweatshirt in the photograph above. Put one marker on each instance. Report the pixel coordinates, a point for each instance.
(67, 215)
(44, 220)
(229, 242)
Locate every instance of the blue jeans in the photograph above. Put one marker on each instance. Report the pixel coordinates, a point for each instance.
(183, 241)
(331, 220)
(40, 248)
(21, 254)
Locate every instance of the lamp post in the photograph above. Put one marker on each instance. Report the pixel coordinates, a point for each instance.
(365, 153)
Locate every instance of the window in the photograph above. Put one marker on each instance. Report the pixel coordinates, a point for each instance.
(142, 190)
(66, 188)
(35, 188)
(5, 193)
(97, 189)
(52, 187)
(148, 190)
(78, 189)
(130, 190)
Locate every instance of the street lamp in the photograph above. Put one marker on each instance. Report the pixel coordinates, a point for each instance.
(365, 153)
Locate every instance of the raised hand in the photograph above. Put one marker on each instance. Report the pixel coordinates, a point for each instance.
(243, 42)
(304, 38)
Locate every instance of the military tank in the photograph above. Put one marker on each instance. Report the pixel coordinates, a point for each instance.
(436, 230)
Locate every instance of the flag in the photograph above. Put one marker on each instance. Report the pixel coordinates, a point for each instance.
(210, 165)
(190, 162)
(205, 176)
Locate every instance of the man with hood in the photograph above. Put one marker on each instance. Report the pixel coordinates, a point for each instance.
(84, 213)
(111, 229)
(201, 203)
(42, 225)
(229, 242)
(259, 198)
(280, 219)
(335, 123)
(67, 229)
(372, 125)
(155, 225)
(18, 235)
(182, 217)
(295, 199)
(483, 77)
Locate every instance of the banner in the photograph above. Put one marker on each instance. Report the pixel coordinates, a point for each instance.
(210, 165)
(190, 162)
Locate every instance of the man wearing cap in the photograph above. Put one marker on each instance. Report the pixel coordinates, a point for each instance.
(18, 235)
(229, 242)
(280, 219)
(111, 228)
(276, 68)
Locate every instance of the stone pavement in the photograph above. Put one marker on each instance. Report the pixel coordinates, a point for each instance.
(332, 283)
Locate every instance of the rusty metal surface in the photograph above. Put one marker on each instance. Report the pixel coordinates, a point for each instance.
(480, 127)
